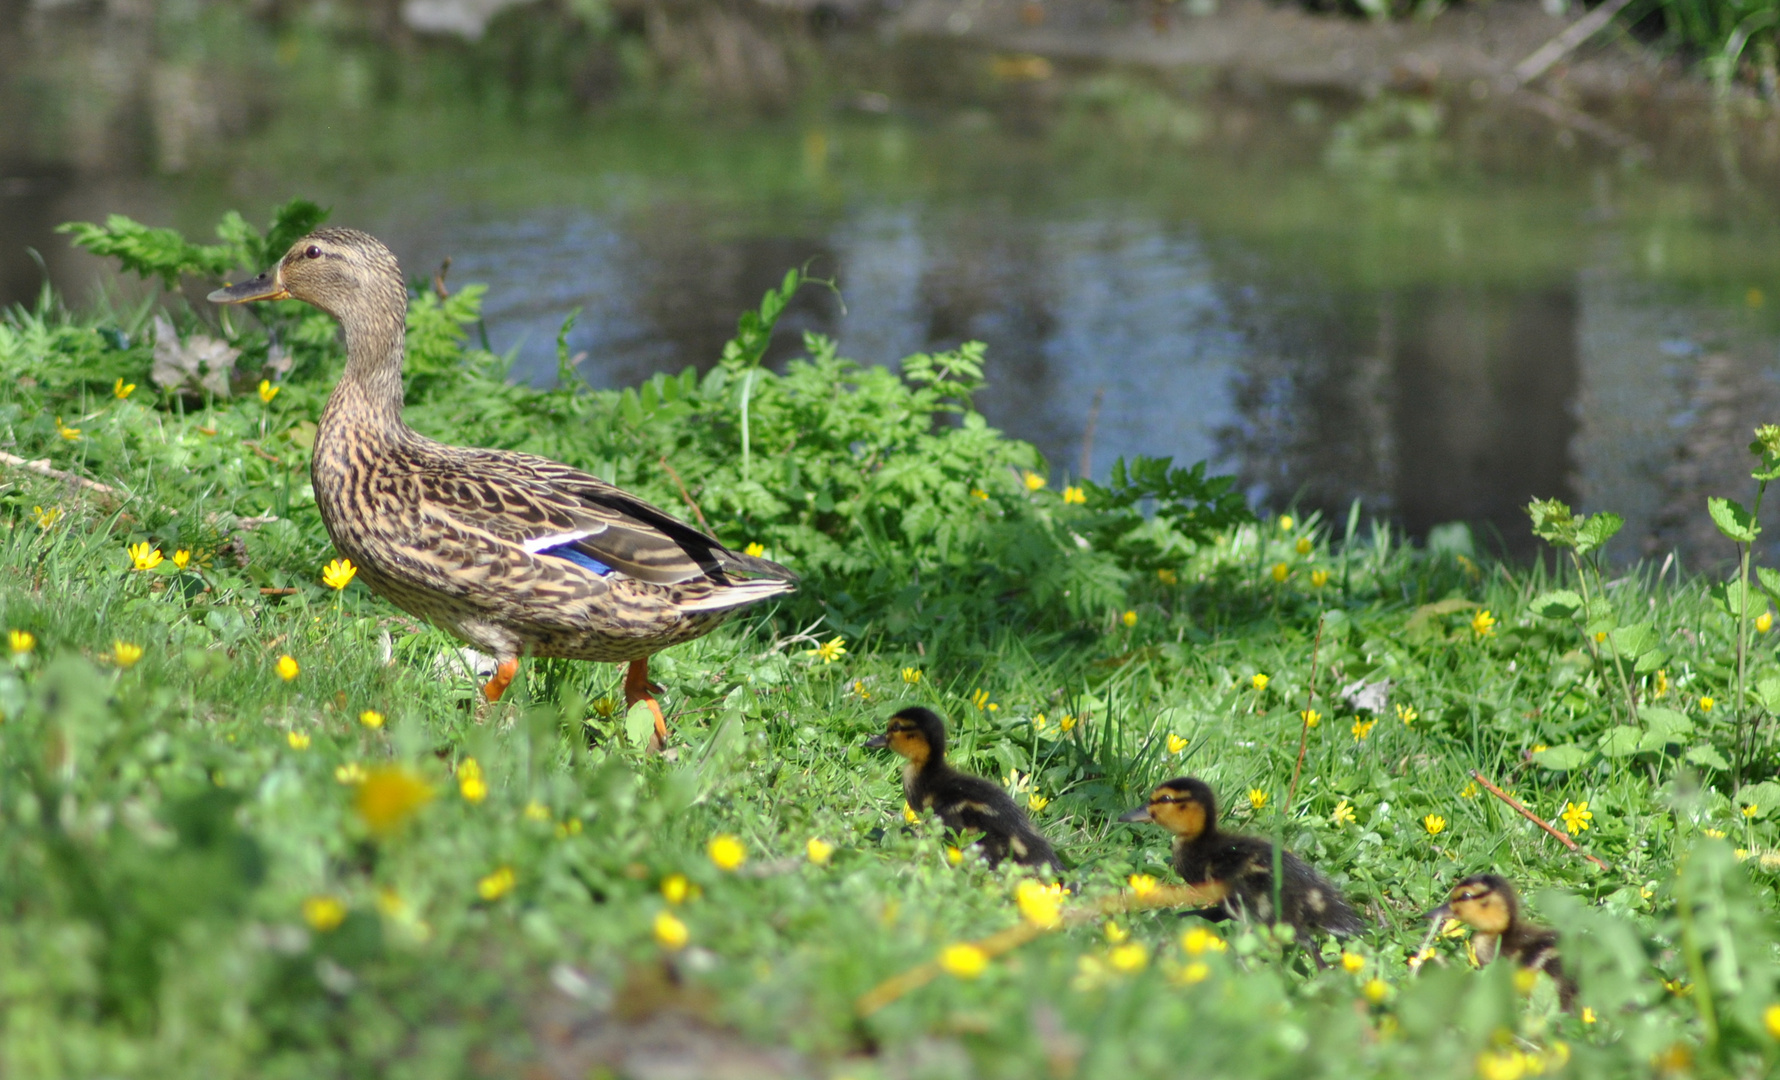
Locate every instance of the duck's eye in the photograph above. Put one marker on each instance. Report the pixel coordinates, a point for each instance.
(313, 252)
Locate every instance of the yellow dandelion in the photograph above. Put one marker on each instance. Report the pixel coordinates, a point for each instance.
(145, 556)
(1032, 480)
(268, 391)
(1363, 728)
(675, 888)
(1167, 576)
(121, 389)
(1075, 496)
(124, 654)
(497, 884)
(1434, 823)
(1353, 963)
(1343, 814)
(1281, 571)
(1129, 618)
(182, 558)
(829, 651)
(287, 667)
(387, 798)
(726, 851)
(1706, 704)
(1311, 717)
(338, 574)
(1303, 545)
(371, 718)
(1576, 817)
(299, 740)
(324, 913)
(1198, 941)
(1040, 905)
(470, 783)
(754, 548)
(1176, 743)
(1257, 799)
(818, 850)
(1141, 884)
(1319, 578)
(46, 518)
(1259, 682)
(671, 932)
(966, 961)
(1483, 624)
(21, 641)
(1129, 958)
(911, 675)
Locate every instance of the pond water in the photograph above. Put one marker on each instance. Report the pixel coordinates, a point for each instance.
(1439, 308)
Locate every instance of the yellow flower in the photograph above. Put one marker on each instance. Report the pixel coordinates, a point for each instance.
(121, 389)
(1286, 523)
(1075, 495)
(536, 811)
(754, 548)
(1319, 578)
(1770, 1019)
(287, 667)
(1600, 636)
(1764, 622)
(1434, 823)
(1375, 990)
(965, 961)
(818, 850)
(1129, 618)
(1662, 684)
(1576, 817)
(978, 493)
(1198, 941)
(1407, 714)
(46, 518)
(1281, 571)
(124, 654)
(1507, 1064)
(1033, 481)
(675, 888)
(1195, 972)
(726, 851)
(980, 698)
(72, 434)
(496, 885)
(860, 691)
(671, 932)
(1588, 1017)
(1037, 802)
(1040, 722)
(371, 718)
(1302, 547)
(1167, 576)
(566, 829)
(1141, 884)
(1311, 717)
(299, 740)
(1470, 791)
(145, 556)
(1130, 957)
(1343, 815)
(324, 913)
(909, 815)
(388, 797)
(829, 651)
(1259, 682)
(1706, 704)
(911, 675)
(954, 855)
(1483, 624)
(268, 391)
(1115, 934)
(1176, 743)
(1716, 834)
(1067, 724)
(182, 558)
(1353, 963)
(1040, 905)
(470, 783)
(1363, 728)
(1257, 799)
(338, 573)
(1416, 960)
(1751, 810)
(350, 773)
(21, 641)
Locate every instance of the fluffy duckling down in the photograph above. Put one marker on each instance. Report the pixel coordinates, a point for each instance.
(1487, 903)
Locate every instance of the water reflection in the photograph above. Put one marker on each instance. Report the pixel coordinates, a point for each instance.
(1438, 312)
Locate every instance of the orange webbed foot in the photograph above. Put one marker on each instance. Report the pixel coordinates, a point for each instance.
(638, 688)
(503, 678)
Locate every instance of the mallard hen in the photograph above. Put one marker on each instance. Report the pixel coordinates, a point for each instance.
(515, 554)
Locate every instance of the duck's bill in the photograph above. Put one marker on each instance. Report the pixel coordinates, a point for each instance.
(877, 742)
(1142, 813)
(1439, 914)
(265, 287)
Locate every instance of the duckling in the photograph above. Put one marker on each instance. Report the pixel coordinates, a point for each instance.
(963, 802)
(1488, 905)
(1242, 865)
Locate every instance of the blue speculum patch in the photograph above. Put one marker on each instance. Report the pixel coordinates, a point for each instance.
(578, 557)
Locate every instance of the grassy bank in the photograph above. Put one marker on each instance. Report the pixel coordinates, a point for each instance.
(253, 824)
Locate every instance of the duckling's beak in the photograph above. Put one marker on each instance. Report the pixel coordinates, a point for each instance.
(1142, 813)
(877, 742)
(268, 286)
(1439, 914)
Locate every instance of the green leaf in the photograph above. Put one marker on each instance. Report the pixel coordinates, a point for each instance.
(1764, 796)
(1651, 661)
(1707, 756)
(1733, 597)
(1767, 691)
(1634, 640)
(639, 724)
(1621, 742)
(1556, 604)
(1673, 726)
(1770, 581)
(1596, 531)
(1562, 758)
(1732, 519)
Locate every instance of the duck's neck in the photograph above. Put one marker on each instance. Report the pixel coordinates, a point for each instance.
(370, 392)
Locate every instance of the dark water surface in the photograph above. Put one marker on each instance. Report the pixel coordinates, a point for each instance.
(1440, 308)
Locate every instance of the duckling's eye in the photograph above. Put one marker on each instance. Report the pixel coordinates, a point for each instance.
(312, 253)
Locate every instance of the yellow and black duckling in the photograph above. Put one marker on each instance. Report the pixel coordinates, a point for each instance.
(963, 802)
(1488, 905)
(1242, 866)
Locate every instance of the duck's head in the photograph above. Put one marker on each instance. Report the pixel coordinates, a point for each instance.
(1184, 806)
(337, 270)
(1484, 902)
(917, 734)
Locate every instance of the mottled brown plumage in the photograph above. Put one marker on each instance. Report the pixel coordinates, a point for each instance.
(515, 554)
(1488, 904)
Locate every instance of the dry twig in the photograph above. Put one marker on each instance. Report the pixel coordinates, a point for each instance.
(1535, 819)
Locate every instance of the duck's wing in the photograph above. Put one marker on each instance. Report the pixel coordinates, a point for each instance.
(547, 508)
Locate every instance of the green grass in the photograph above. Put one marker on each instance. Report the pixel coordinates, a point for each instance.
(190, 887)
